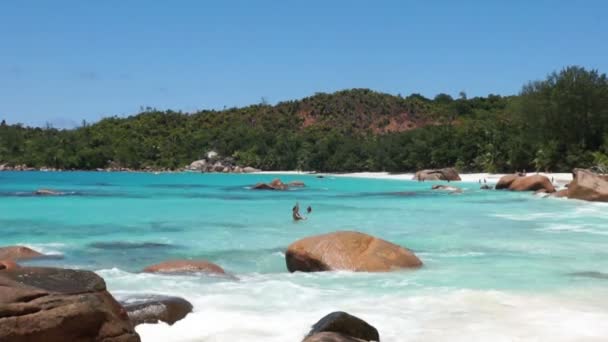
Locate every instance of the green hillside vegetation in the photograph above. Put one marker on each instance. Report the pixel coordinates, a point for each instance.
(555, 124)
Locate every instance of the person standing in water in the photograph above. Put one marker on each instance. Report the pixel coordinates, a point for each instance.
(295, 213)
(309, 210)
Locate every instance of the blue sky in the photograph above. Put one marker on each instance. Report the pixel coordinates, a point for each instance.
(65, 61)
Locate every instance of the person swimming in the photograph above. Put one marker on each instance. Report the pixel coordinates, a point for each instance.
(309, 210)
(295, 213)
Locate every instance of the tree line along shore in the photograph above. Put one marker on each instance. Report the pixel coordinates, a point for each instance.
(555, 124)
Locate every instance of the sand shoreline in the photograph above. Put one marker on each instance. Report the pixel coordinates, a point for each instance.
(559, 178)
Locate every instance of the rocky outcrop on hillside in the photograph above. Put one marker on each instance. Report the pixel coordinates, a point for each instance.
(215, 163)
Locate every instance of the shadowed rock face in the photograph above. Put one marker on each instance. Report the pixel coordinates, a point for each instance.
(589, 186)
(18, 253)
(185, 266)
(152, 309)
(56, 305)
(346, 250)
(342, 327)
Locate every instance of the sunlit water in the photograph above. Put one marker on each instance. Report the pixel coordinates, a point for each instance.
(499, 266)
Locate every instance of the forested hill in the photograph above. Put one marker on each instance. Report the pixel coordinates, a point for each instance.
(554, 124)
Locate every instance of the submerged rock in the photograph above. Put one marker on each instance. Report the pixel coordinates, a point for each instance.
(154, 308)
(590, 274)
(296, 184)
(485, 187)
(588, 186)
(56, 305)
(276, 184)
(341, 327)
(128, 245)
(346, 250)
(447, 174)
(185, 266)
(451, 189)
(48, 192)
(17, 253)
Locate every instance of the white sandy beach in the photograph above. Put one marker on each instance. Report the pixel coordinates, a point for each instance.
(559, 178)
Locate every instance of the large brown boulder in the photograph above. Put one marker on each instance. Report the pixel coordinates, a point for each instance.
(589, 186)
(340, 326)
(347, 250)
(154, 308)
(185, 266)
(532, 183)
(58, 305)
(446, 174)
(505, 181)
(18, 253)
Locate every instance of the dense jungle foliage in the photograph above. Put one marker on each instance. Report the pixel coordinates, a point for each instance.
(554, 124)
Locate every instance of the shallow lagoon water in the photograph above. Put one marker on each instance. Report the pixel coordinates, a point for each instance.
(499, 266)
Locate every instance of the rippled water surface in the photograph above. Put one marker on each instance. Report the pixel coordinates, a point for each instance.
(499, 266)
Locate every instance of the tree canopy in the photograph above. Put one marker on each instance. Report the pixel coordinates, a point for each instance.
(554, 124)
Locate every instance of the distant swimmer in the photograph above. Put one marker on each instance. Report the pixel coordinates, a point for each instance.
(485, 181)
(309, 210)
(295, 213)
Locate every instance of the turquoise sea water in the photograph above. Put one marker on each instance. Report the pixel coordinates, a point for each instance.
(499, 266)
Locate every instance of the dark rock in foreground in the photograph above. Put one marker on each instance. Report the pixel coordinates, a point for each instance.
(446, 174)
(18, 253)
(347, 250)
(154, 308)
(589, 186)
(341, 327)
(185, 266)
(57, 305)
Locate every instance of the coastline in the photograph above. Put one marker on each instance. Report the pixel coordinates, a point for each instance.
(561, 178)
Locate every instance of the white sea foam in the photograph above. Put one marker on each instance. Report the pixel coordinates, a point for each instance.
(458, 315)
(573, 228)
(282, 307)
